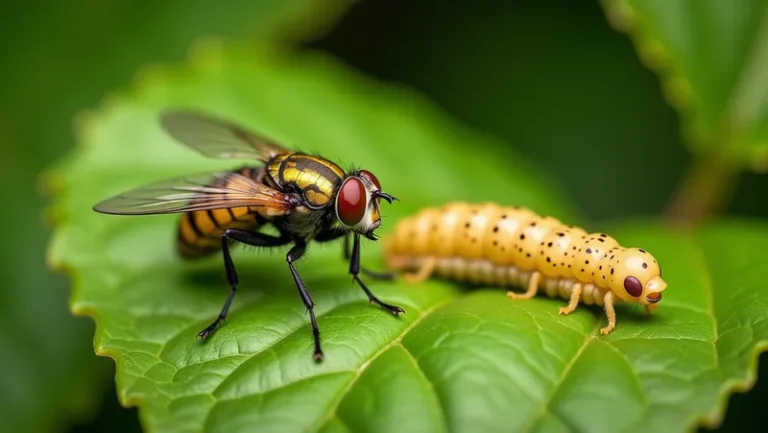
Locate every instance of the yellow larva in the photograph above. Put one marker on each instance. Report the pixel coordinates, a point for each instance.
(511, 246)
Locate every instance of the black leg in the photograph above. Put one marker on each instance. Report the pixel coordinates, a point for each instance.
(354, 269)
(250, 238)
(335, 233)
(294, 254)
(373, 274)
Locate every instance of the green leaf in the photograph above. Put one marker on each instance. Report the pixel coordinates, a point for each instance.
(712, 57)
(464, 360)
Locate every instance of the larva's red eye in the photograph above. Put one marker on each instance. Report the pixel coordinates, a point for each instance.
(369, 176)
(351, 201)
(633, 286)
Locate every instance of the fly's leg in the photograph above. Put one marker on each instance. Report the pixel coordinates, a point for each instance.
(250, 238)
(373, 274)
(335, 233)
(293, 255)
(354, 269)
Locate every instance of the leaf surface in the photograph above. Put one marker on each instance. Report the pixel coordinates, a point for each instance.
(712, 57)
(459, 360)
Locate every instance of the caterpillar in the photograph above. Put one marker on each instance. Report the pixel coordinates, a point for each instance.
(486, 243)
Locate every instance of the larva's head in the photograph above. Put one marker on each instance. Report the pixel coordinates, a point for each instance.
(636, 277)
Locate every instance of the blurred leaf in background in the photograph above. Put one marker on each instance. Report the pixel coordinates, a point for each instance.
(65, 56)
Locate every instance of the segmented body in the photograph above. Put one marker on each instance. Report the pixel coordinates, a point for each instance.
(512, 246)
(199, 233)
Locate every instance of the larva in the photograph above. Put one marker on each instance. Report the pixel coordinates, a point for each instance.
(512, 246)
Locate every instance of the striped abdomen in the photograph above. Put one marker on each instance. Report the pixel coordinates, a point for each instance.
(199, 233)
(512, 246)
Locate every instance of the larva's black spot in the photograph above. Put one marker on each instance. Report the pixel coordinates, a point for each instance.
(611, 257)
(569, 266)
(504, 216)
(542, 252)
(549, 260)
(605, 255)
(474, 240)
(582, 269)
(496, 229)
(565, 254)
(503, 249)
(589, 250)
(642, 251)
(603, 276)
(600, 268)
(521, 250)
(611, 271)
(601, 240)
(574, 248)
(645, 265)
(554, 265)
(586, 262)
(515, 207)
(495, 243)
(541, 243)
(549, 244)
(533, 224)
(570, 226)
(583, 237)
(602, 235)
(528, 255)
(522, 236)
(466, 225)
(579, 249)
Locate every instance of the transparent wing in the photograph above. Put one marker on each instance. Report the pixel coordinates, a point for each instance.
(198, 192)
(218, 138)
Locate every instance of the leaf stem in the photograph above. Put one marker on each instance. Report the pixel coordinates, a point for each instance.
(704, 191)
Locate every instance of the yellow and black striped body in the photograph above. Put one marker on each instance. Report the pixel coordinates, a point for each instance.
(316, 178)
(200, 232)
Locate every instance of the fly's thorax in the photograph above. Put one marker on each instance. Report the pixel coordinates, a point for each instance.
(589, 261)
(316, 178)
(556, 252)
(473, 225)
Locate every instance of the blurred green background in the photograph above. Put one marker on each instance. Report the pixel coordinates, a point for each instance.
(546, 77)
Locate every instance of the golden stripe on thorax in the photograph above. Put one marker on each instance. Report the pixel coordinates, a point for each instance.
(316, 177)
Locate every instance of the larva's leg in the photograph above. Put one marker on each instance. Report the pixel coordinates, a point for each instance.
(610, 312)
(427, 266)
(574, 301)
(533, 288)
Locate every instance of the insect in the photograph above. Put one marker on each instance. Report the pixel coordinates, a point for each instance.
(511, 246)
(305, 197)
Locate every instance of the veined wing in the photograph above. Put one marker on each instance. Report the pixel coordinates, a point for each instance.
(218, 138)
(198, 192)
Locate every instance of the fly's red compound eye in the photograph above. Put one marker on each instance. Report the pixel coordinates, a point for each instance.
(351, 202)
(369, 176)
